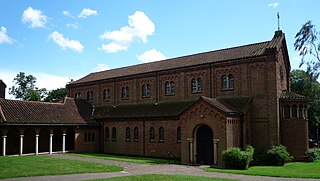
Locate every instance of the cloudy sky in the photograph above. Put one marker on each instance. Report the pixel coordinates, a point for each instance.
(57, 41)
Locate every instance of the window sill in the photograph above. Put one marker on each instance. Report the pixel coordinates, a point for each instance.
(128, 140)
(114, 140)
(169, 94)
(161, 141)
(152, 141)
(136, 140)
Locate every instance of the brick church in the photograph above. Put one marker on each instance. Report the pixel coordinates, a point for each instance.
(192, 107)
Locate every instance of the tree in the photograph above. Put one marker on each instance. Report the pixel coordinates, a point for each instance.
(305, 84)
(24, 88)
(308, 44)
(56, 95)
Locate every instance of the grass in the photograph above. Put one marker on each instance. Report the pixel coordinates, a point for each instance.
(155, 177)
(291, 170)
(25, 166)
(132, 159)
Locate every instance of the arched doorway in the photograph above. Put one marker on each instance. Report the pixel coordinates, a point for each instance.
(204, 136)
(29, 141)
(70, 139)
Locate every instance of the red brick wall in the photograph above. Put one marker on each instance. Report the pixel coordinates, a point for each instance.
(80, 145)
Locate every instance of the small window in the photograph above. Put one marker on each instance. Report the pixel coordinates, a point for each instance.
(92, 136)
(196, 85)
(169, 88)
(199, 84)
(89, 136)
(172, 87)
(161, 134)
(227, 82)
(125, 92)
(127, 134)
(146, 90)
(179, 134)
(106, 94)
(85, 136)
(90, 96)
(77, 95)
(114, 134)
(152, 134)
(136, 134)
(106, 130)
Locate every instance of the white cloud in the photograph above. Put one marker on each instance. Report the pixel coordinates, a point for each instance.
(67, 13)
(35, 18)
(4, 38)
(44, 80)
(101, 67)
(273, 5)
(73, 26)
(87, 12)
(65, 43)
(140, 27)
(151, 56)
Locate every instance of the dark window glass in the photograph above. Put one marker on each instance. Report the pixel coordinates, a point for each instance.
(179, 134)
(224, 82)
(114, 134)
(127, 133)
(106, 133)
(161, 134)
(136, 133)
(172, 88)
(199, 85)
(125, 92)
(231, 81)
(106, 94)
(167, 85)
(294, 112)
(193, 86)
(152, 134)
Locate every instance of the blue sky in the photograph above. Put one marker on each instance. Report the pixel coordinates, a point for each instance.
(57, 41)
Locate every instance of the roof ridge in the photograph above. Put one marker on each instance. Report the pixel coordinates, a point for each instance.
(34, 102)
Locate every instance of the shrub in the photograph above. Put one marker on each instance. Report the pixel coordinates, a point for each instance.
(313, 154)
(234, 158)
(278, 156)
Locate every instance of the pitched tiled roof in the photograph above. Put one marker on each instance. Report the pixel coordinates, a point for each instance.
(228, 54)
(145, 110)
(237, 103)
(29, 112)
(285, 94)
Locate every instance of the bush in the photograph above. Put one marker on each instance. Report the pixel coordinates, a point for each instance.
(278, 156)
(313, 154)
(234, 158)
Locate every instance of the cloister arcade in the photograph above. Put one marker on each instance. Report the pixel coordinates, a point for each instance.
(35, 140)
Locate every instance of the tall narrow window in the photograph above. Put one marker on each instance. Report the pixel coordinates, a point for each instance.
(85, 136)
(152, 134)
(77, 95)
(125, 92)
(193, 85)
(224, 82)
(127, 134)
(294, 112)
(230, 81)
(172, 88)
(169, 88)
(161, 134)
(136, 134)
(89, 96)
(199, 85)
(114, 134)
(106, 132)
(106, 94)
(179, 134)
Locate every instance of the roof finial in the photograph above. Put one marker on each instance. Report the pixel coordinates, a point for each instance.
(278, 15)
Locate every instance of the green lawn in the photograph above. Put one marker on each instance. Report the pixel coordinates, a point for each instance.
(155, 177)
(132, 159)
(25, 166)
(292, 170)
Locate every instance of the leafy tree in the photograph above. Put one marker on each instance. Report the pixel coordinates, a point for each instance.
(308, 44)
(305, 84)
(24, 88)
(56, 95)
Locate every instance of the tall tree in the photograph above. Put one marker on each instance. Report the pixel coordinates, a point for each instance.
(308, 44)
(24, 88)
(56, 95)
(305, 84)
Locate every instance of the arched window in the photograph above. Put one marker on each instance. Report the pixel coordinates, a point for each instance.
(230, 81)
(167, 86)
(128, 134)
(294, 112)
(77, 95)
(106, 132)
(89, 96)
(106, 94)
(125, 92)
(224, 82)
(179, 134)
(114, 134)
(152, 134)
(136, 134)
(193, 85)
(161, 134)
(148, 90)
